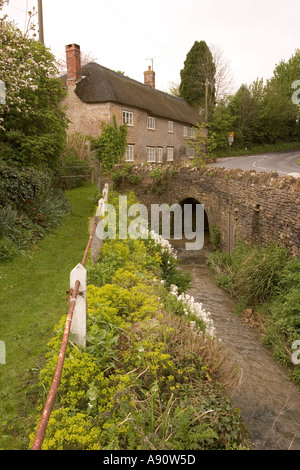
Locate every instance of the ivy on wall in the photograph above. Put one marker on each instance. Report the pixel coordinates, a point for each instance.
(111, 145)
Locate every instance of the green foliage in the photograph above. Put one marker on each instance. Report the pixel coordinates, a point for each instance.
(215, 237)
(125, 175)
(253, 272)
(262, 113)
(203, 144)
(142, 382)
(29, 206)
(198, 67)
(32, 121)
(74, 171)
(266, 279)
(111, 145)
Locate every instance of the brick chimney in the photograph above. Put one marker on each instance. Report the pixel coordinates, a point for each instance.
(149, 77)
(73, 56)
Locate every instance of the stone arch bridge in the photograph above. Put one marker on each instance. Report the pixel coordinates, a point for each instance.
(254, 207)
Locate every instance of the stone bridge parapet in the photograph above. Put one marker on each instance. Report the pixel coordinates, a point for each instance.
(254, 207)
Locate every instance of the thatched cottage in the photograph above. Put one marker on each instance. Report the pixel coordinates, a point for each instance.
(158, 123)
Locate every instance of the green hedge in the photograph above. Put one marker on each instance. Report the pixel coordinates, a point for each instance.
(29, 207)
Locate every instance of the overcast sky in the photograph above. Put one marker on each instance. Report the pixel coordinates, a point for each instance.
(124, 34)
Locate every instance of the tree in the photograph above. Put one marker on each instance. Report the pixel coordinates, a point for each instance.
(32, 120)
(203, 145)
(198, 78)
(224, 82)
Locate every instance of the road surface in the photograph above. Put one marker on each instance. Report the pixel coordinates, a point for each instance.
(282, 162)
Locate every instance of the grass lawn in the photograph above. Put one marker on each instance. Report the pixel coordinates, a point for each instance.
(32, 300)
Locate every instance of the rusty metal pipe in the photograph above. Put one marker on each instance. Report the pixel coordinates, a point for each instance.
(41, 431)
(89, 244)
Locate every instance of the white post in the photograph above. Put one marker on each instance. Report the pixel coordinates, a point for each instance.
(105, 192)
(78, 326)
(101, 208)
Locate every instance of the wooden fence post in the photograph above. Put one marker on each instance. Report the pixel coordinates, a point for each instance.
(78, 326)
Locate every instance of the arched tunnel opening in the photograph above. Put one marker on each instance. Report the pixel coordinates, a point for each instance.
(193, 203)
(189, 224)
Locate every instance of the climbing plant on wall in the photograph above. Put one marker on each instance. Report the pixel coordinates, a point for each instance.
(111, 145)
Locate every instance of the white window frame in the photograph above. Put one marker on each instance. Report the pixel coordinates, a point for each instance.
(192, 132)
(151, 123)
(160, 152)
(151, 157)
(127, 117)
(171, 127)
(185, 131)
(129, 155)
(170, 154)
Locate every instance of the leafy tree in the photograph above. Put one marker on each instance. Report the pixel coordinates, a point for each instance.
(203, 145)
(242, 107)
(222, 123)
(198, 68)
(32, 120)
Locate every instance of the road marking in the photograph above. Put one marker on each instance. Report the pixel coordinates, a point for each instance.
(266, 169)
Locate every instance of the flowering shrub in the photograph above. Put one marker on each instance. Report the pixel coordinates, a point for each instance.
(32, 121)
(194, 310)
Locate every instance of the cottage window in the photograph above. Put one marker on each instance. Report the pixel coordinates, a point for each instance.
(170, 126)
(151, 123)
(129, 155)
(192, 152)
(150, 154)
(192, 132)
(128, 118)
(170, 154)
(185, 131)
(159, 154)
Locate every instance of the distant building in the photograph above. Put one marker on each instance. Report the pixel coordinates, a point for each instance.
(158, 123)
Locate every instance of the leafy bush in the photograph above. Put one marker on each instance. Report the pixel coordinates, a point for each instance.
(251, 273)
(74, 171)
(29, 207)
(267, 279)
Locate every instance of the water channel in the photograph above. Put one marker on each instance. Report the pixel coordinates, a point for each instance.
(269, 402)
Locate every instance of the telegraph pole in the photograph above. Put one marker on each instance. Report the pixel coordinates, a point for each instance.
(41, 24)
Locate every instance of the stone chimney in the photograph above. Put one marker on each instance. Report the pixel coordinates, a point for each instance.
(73, 56)
(149, 77)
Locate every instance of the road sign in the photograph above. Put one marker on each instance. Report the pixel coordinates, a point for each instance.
(230, 137)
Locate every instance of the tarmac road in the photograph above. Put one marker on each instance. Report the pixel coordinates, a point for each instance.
(282, 162)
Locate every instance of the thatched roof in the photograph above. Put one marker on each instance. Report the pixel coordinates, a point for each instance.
(100, 85)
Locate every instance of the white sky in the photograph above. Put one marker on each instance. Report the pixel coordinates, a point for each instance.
(123, 34)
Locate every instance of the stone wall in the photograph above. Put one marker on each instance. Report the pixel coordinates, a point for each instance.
(254, 207)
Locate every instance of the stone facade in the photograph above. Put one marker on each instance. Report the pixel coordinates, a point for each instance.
(254, 207)
(87, 118)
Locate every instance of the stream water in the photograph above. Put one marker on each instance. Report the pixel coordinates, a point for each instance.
(269, 402)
